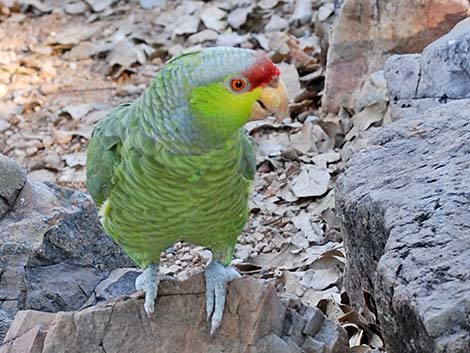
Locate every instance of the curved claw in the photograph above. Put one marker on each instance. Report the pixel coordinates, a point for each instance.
(148, 282)
(217, 278)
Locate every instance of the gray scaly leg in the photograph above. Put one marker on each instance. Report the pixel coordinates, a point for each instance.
(148, 282)
(217, 278)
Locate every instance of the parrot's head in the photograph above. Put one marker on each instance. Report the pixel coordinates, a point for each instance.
(226, 87)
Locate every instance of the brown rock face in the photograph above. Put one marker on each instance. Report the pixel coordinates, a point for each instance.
(255, 321)
(367, 32)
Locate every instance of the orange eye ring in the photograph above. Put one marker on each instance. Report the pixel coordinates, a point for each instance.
(237, 84)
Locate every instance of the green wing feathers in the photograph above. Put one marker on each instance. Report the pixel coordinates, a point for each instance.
(103, 154)
(248, 162)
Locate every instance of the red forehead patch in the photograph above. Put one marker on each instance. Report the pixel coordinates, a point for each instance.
(262, 72)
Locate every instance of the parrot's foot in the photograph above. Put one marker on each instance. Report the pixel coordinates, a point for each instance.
(148, 282)
(217, 278)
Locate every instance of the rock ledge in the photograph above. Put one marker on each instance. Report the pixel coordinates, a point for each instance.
(255, 321)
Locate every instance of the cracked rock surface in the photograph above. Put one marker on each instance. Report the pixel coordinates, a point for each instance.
(255, 321)
(53, 253)
(439, 75)
(404, 207)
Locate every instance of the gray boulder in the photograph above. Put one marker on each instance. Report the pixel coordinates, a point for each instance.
(53, 251)
(404, 205)
(439, 75)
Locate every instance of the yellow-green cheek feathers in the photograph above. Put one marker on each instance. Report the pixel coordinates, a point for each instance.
(220, 112)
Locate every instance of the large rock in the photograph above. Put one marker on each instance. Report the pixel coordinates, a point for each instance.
(53, 252)
(12, 180)
(368, 31)
(255, 321)
(440, 75)
(404, 207)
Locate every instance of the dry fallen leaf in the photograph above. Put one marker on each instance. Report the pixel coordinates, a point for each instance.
(186, 24)
(76, 8)
(303, 141)
(320, 279)
(290, 77)
(302, 12)
(4, 125)
(203, 36)
(272, 145)
(325, 11)
(360, 349)
(74, 35)
(71, 175)
(148, 4)
(312, 181)
(61, 137)
(125, 54)
(363, 120)
(267, 4)
(302, 57)
(80, 110)
(286, 259)
(300, 241)
(86, 50)
(99, 5)
(313, 297)
(238, 17)
(311, 230)
(212, 17)
(42, 175)
(75, 159)
(276, 23)
(44, 7)
(231, 39)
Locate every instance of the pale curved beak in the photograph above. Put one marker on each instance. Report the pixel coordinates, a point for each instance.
(272, 101)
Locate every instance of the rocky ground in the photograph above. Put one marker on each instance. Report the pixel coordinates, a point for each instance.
(69, 62)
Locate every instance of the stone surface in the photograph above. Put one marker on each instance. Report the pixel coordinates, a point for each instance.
(12, 180)
(5, 322)
(404, 208)
(367, 33)
(53, 252)
(27, 320)
(120, 281)
(255, 321)
(30, 342)
(411, 79)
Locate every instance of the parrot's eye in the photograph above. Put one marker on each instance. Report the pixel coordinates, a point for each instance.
(237, 84)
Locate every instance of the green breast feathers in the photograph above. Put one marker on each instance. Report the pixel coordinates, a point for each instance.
(152, 197)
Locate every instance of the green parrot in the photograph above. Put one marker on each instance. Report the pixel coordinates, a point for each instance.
(176, 164)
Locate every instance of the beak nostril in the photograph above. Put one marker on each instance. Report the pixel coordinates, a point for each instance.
(262, 104)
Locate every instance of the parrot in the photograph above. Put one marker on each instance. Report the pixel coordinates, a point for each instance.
(177, 165)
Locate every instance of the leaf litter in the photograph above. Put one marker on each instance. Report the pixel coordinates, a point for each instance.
(73, 60)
